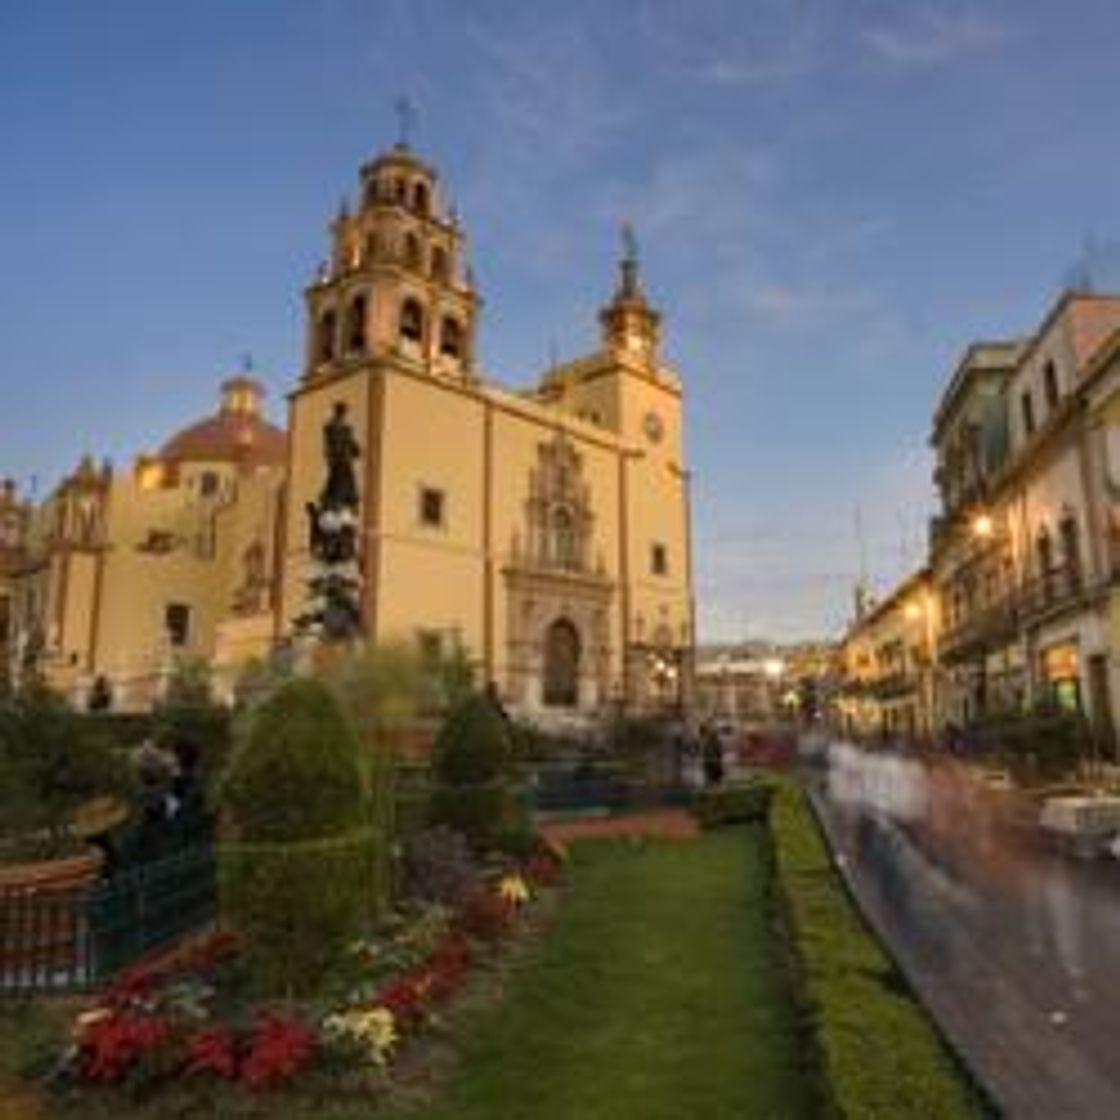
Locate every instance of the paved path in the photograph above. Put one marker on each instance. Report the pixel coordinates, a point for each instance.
(1019, 961)
(664, 824)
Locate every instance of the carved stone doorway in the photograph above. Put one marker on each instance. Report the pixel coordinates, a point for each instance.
(561, 665)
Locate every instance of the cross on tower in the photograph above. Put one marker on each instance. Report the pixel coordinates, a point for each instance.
(406, 118)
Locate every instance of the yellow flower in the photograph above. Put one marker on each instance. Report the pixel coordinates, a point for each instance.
(375, 1029)
(514, 890)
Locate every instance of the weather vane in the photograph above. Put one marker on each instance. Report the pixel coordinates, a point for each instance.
(406, 118)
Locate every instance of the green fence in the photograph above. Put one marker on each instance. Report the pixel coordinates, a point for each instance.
(71, 939)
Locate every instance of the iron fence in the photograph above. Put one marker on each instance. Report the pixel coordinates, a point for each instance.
(74, 938)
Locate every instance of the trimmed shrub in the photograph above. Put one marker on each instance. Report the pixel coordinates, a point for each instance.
(305, 872)
(475, 744)
(298, 775)
(298, 905)
(737, 804)
(474, 754)
(858, 1002)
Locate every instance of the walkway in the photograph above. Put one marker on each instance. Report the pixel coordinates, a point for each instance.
(661, 824)
(1018, 959)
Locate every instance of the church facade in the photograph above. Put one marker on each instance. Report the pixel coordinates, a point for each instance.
(544, 533)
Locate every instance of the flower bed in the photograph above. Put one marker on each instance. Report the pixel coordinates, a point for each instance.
(180, 1022)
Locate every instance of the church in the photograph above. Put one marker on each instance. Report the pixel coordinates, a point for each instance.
(543, 533)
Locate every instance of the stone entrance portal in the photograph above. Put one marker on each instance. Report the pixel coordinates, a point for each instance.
(561, 665)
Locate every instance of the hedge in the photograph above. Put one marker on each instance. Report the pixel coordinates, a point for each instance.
(882, 1054)
(735, 804)
(298, 905)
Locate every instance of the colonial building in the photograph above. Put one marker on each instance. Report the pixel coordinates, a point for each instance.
(122, 573)
(1021, 556)
(888, 665)
(545, 533)
(14, 517)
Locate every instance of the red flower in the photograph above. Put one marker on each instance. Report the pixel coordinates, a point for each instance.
(111, 1045)
(405, 998)
(278, 1049)
(543, 868)
(212, 1050)
(485, 915)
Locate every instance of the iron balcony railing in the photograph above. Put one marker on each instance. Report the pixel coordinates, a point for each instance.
(995, 622)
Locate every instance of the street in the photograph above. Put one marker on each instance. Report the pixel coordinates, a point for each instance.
(1015, 950)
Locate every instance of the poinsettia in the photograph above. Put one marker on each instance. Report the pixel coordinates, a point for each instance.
(213, 1050)
(111, 1044)
(278, 1049)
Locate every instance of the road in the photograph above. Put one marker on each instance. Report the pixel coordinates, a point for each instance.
(1015, 950)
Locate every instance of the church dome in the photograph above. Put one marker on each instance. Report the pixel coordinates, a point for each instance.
(238, 433)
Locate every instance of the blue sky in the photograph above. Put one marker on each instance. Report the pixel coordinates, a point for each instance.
(832, 197)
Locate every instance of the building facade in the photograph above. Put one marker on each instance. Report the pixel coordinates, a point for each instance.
(1021, 589)
(889, 665)
(543, 533)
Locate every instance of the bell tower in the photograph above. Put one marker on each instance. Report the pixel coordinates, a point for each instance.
(396, 284)
(631, 328)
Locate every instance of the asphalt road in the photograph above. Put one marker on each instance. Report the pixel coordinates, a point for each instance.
(1016, 951)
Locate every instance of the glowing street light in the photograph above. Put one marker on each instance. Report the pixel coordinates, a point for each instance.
(983, 528)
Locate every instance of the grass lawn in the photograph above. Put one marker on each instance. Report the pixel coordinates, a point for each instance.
(660, 994)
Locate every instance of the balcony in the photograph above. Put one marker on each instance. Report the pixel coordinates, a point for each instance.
(996, 623)
(1050, 593)
(985, 627)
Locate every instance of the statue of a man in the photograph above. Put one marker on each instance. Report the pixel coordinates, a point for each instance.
(340, 449)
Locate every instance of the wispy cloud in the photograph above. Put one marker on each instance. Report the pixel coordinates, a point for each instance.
(546, 87)
(777, 44)
(932, 36)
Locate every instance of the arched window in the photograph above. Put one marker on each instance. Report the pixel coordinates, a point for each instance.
(412, 254)
(412, 321)
(441, 270)
(420, 199)
(561, 665)
(325, 334)
(356, 324)
(451, 338)
(564, 547)
(400, 190)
